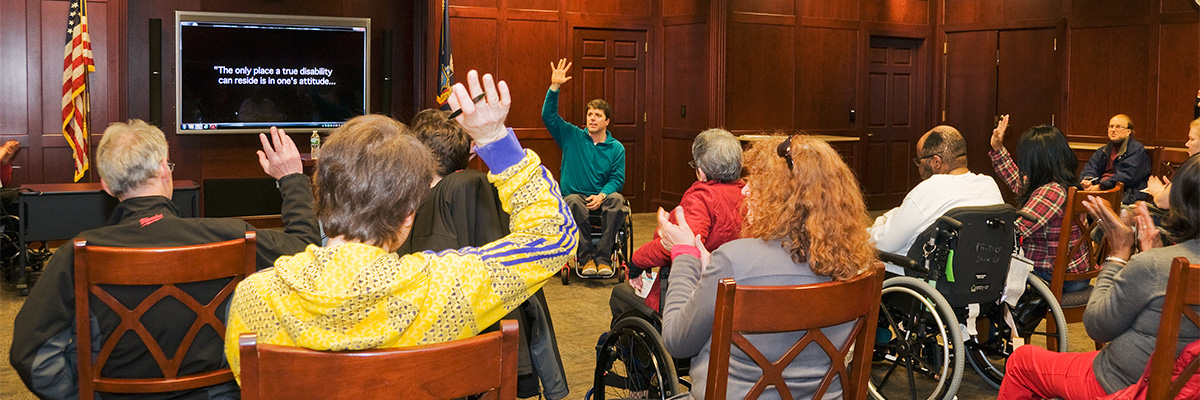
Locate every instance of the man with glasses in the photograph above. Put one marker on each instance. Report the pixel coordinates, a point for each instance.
(1123, 159)
(946, 184)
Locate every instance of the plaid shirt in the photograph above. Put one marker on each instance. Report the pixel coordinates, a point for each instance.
(1039, 238)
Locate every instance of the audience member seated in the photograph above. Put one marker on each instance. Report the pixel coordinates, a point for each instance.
(356, 292)
(1123, 159)
(1125, 307)
(592, 173)
(1158, 188)
(711, 205)
(946, 183)
(463, 209)
(805, 223)
(1044, 169)
(8, 192)
(134, 167)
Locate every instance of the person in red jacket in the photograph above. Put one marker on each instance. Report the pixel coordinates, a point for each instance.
(712, 208)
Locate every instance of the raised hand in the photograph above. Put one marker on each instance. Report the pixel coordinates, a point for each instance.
(279, 156)
(558, 74)
(484, 120)
(998, 133)
(1119, 236)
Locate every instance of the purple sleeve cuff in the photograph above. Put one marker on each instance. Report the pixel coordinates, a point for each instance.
(501, 154)
(682, 249)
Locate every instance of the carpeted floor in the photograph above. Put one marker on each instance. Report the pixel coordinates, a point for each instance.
(580, 311)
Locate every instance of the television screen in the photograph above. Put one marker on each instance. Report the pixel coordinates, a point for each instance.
(243, 73)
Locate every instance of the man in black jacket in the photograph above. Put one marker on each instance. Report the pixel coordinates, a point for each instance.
(1123, 159)
(133, 164)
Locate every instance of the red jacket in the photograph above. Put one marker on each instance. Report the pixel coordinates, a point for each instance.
(713, 211)
(6, 174)
(1191, 390)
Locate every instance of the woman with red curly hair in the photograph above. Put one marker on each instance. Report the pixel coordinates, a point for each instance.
(805, 223)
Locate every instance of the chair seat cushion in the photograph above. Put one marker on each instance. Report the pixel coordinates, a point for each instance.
(1078, 298)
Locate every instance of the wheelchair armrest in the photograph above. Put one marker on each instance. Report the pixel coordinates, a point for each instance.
(1028, 216)
(902, 261)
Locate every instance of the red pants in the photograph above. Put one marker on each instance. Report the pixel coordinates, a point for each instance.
(1036, 373)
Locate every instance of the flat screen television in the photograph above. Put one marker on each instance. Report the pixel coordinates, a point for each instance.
(243, 73)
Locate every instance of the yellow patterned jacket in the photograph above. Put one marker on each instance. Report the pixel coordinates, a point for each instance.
(356, 296)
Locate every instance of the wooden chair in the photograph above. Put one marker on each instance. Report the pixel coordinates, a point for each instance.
(484, 363)
(98, 269)
(1167, 160)
(1182, 298)
(1076, 216)
(743, 310)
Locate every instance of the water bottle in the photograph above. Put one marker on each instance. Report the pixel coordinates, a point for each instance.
(315, 144)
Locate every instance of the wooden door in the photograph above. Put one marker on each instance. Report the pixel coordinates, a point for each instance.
(1028, 83)
(895, 115)
(611, 65)
(969, 97)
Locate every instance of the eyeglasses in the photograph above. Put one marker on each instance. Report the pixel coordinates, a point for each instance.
(693, 164)
(1111, 127)
(918, 160)
(171, 166)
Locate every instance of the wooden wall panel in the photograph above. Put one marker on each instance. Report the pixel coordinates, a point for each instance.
(13, 74)
(897, 11)
(1178, 6)
(1178, 80)
(827, 65)
(1017, 10)
(1104, 9)
(760, 77)
(675, 8)
(685, 92)
(473, 3)
(677, 175)
(474, 41)
(970, 91)
(547, 5)
(776, 7)
(832, 9)
(963, 12)
(1028, 86)
(632, 8)
(528, 48)
(1104, 82)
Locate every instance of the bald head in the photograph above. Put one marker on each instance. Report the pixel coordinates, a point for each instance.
(945, 142)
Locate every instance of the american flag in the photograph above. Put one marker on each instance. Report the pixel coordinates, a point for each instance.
(77, 63)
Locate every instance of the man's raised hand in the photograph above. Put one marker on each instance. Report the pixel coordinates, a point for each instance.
(558, 74)
(279, 156)
(484, 120)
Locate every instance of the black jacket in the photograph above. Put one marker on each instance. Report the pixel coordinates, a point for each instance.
(1132, 167)
(43, 350)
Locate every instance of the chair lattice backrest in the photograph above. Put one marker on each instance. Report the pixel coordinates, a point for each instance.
(484, 363)
(1167, 160)
(1179, 305)
(740, 310)
(101, 270)
(1075, 216)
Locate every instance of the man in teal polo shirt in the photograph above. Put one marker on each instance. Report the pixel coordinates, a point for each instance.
(592, 173)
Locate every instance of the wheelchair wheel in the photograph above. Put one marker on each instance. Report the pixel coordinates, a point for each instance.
(632, 363)
(922, 358)
(989, 350)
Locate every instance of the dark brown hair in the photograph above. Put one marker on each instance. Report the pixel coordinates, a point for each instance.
(601, 105)
(450, 145)
(371, 176)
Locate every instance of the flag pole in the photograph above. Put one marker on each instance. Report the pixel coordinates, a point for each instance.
(87, 124)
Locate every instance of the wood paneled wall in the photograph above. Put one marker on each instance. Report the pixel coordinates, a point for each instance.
(745, 65)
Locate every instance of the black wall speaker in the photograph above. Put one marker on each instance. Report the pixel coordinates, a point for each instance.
(385, 95)
(156, 72)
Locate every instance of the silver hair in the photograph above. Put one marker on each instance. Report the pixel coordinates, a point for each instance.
(718, 154)
(129, 155)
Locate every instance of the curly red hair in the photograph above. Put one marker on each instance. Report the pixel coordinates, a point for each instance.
(815, 207)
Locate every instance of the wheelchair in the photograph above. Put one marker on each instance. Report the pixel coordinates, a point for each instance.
(953, 307)
(622, 249)
(632, 361)
(13, 256)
